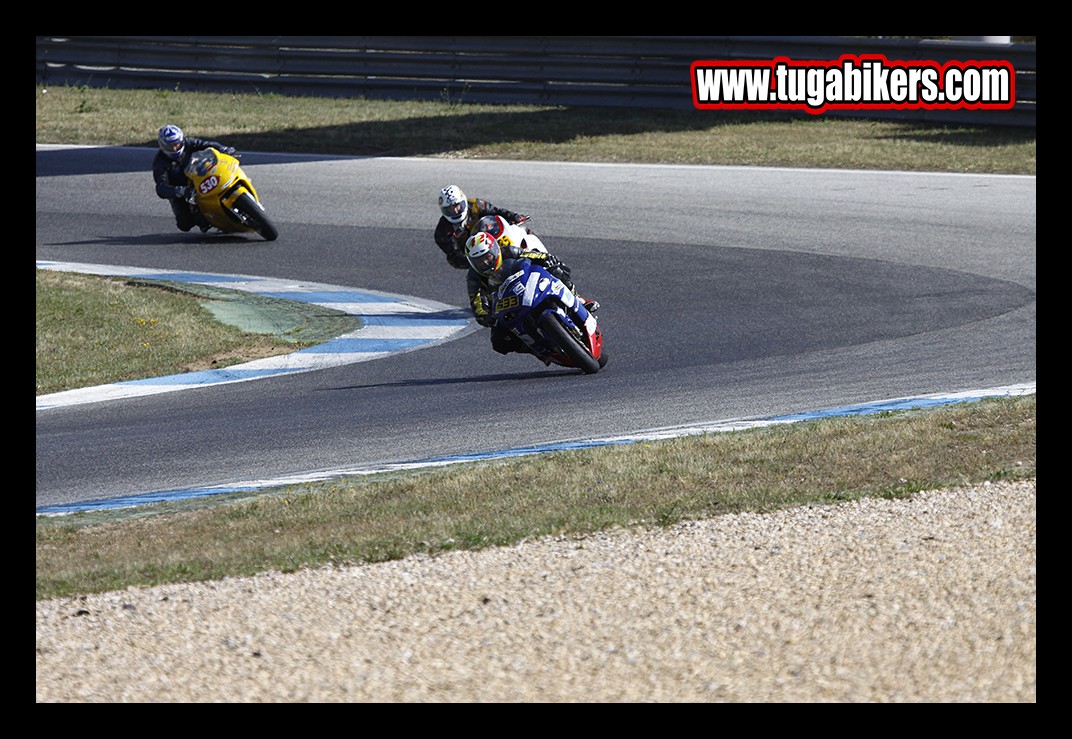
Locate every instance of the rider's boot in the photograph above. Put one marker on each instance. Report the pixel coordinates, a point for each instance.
(199, 219)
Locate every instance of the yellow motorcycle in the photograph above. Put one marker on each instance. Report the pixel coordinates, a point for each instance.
(225, 196)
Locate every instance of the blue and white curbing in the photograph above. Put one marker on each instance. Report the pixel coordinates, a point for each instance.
(392, 324)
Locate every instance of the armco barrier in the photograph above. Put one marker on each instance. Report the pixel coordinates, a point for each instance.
(621, 71)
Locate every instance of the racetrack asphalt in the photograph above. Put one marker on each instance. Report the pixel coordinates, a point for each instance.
(345, 325)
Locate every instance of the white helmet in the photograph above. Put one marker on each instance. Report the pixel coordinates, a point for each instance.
(453, 204)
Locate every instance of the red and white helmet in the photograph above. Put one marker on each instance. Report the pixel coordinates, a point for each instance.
(483, 253)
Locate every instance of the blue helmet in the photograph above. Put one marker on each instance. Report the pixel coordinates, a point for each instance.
(172, 141)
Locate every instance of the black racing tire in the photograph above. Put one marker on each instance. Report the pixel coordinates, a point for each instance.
(570, 346)
(262, 224)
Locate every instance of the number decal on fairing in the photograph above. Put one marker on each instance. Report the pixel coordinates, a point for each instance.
(510, 301)
(208, 184)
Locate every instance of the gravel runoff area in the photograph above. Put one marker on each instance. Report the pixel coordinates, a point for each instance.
(930, 599)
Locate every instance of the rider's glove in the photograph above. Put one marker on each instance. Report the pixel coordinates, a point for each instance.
(457, 260)
(521, 219)
(559, 270)
(482, 309)
(229, 150)
(185, 192)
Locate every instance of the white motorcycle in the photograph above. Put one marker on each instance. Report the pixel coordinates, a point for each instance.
(508, 234)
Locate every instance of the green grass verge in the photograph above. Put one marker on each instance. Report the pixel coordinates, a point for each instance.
(251, 122)
(478, 505)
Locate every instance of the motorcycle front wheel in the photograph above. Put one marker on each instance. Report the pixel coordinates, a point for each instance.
(568, 343)
(254, 213)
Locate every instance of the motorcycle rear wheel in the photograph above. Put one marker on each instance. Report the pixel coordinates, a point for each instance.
(263, 225)
(568, 343)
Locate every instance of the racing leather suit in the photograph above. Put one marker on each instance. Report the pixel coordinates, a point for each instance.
(451, 238)
(170, 179)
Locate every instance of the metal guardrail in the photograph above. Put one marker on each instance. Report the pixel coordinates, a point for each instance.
(619, 71)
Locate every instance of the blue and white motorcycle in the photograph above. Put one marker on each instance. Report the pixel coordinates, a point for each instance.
(546, 315)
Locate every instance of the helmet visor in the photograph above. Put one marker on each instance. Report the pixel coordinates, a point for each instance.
(454, 211)
(490, 259)
(172, 149)
(486, 263)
